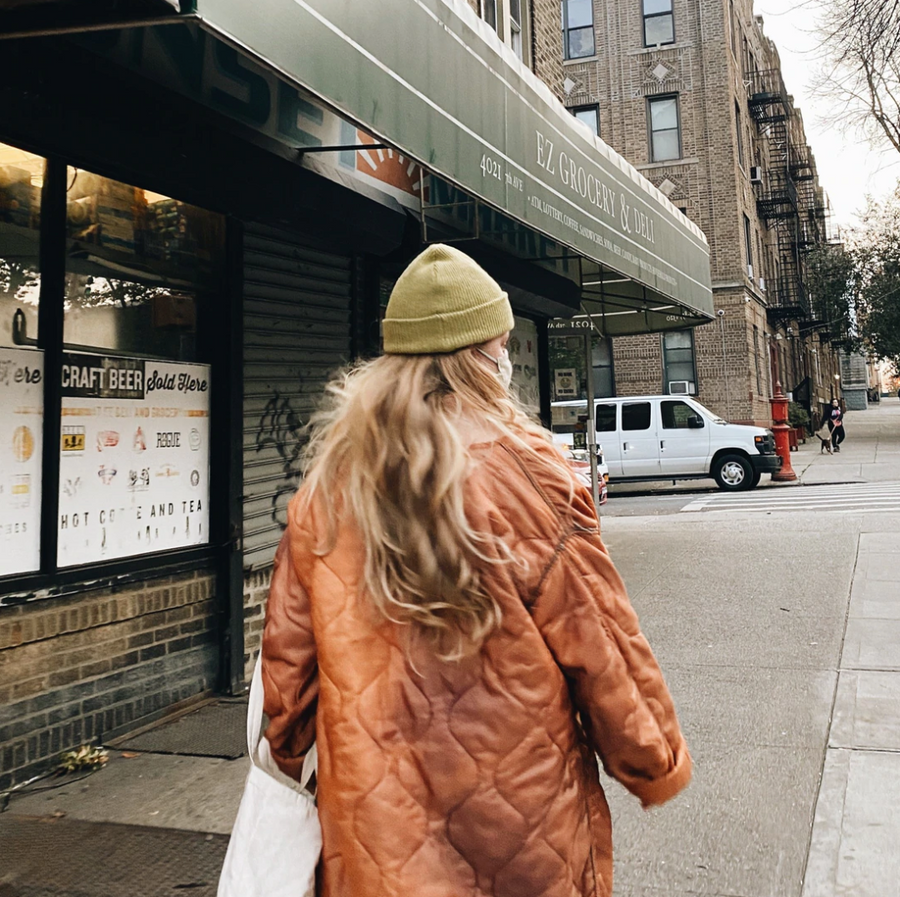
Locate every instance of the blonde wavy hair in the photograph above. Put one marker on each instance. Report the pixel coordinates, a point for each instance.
(389, 448)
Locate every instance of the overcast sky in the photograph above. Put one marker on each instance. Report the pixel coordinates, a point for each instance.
(848, 168)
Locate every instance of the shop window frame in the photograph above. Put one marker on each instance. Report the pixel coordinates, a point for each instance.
(218, 345)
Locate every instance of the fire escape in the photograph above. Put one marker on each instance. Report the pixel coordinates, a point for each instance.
(788, 197)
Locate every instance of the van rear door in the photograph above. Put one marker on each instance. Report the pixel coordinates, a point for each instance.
(638, 439)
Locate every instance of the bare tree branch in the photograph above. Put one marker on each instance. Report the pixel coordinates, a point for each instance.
(861, 42)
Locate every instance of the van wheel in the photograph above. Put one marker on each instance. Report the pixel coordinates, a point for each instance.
(733, 473)
(754, 480)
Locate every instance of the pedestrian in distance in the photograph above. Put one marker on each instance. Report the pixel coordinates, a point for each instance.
(836, 424)
(447, 625)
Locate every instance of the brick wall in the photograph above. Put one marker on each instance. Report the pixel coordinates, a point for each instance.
(637, 365)
(93, 664)
(547, 47)
(256, 592)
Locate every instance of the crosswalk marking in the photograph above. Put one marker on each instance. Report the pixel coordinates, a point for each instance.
(851, 497)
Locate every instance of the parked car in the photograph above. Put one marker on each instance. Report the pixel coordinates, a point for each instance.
(581, 463)
(670, 438)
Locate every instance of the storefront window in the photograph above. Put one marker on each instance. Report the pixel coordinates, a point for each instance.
(523, 354)
(136, 264)
(569, 370)
(21, 180)
(21, 363)
(135, 429)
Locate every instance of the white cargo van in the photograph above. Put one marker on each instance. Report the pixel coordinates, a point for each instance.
(670, 438)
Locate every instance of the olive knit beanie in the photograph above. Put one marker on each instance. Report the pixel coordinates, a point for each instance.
(442, 302)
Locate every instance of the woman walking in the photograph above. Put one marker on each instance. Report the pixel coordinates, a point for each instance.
(445, 622)
(836, 424)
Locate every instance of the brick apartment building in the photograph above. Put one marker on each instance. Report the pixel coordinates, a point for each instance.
(692, 94)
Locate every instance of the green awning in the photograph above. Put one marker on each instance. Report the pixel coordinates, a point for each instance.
(453, 97)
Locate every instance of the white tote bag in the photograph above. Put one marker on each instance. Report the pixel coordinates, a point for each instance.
(276, 839)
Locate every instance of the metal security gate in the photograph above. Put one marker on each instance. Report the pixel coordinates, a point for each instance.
(297, 330)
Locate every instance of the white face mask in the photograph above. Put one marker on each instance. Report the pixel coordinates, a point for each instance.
(504, 366)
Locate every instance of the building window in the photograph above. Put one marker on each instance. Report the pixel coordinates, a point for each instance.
(515, 27)
(759, 386)
(489, 12)
(665, 133)
(748, 246)
(590, 115)
(659, 23)
(679, 371)
(740, 133)
(578, 28)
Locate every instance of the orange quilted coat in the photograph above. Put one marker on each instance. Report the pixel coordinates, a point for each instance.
(480, 777)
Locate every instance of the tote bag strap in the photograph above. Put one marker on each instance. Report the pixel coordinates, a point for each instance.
(258, 747)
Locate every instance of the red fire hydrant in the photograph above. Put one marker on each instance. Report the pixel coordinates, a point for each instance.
(780, 430)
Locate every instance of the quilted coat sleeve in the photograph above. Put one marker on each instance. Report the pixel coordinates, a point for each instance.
(588, 623)
(290, 668)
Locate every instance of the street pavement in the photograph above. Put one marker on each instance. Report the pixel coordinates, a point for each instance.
(778, 630)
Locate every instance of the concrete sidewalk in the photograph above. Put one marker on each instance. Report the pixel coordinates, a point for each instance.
(870, 453)
(780, 639)
(855, 845)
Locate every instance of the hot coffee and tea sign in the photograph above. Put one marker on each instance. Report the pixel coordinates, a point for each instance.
(134, 457)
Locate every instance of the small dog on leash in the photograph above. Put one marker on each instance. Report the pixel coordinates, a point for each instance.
(824, 437)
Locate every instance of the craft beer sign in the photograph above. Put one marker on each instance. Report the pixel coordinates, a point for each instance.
(134, 457)
(21, 438)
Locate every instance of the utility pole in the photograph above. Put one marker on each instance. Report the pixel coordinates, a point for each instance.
(721, 316)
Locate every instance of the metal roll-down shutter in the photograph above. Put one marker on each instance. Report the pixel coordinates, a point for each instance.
(296, 333)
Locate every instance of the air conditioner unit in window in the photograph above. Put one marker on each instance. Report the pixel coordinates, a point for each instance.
(681, 388)
(755, 174)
